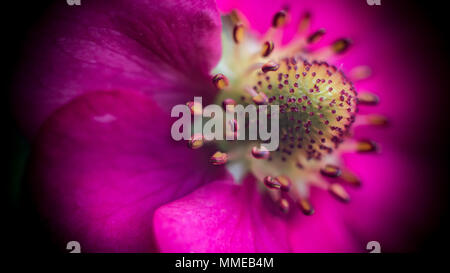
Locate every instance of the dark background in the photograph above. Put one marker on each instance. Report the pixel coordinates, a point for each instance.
(25, 232)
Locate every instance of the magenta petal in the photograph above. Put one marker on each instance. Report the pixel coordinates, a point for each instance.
(326, 230)
(222, 217)
(101, 165)
(163, 48)
(394, 201)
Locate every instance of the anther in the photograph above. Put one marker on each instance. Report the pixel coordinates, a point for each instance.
(271, 183)
(360, 73)
(350, 179)
(267, 48)
(279, 19)
(365, 146)
(196, 141)
(306, 207)
(330, 170)
(260, 152)
(235, 16)
(270, 66)
(218, 158)
(367, 98)
(228, 104)
(316, 36)
(220, 81)
(339, 192)
(285, 182)
(238, 33)
(195, 107)
(341, 45)
(284, 205)
(377, 120)
(305, 21)
(260, 98)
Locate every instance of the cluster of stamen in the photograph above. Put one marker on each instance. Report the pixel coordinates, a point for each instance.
(318, 105)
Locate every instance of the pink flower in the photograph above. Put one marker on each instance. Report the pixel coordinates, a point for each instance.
(95, 95)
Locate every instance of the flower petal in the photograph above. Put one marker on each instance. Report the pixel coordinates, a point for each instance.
(221, 217)
(325, 231)
(395, 204)
(225, 217)
(163, 48)
(102, 164)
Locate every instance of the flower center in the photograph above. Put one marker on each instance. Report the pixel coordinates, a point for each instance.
(317, 102)
(317, 106)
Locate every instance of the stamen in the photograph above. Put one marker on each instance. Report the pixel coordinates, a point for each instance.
(260, 99)
(316, 36)
(350, 178)
(238, 33)
(271, 183)
(230, 103)
(218, 158)
(195, 107)
(306, 207)
(285, 182)
(279, 19)
(331, 171)
(284, 205)
(339, 192)
(318, 106)
(305, 22)
(220, 81)
(252, 92)
(367, 98)
(270, 66)
(267, 48)
(236, 16)
(260, 152)
(341, 45)
(196, 141)
(360, 73)
(377, 120)
(365, 146)
(253, 67)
